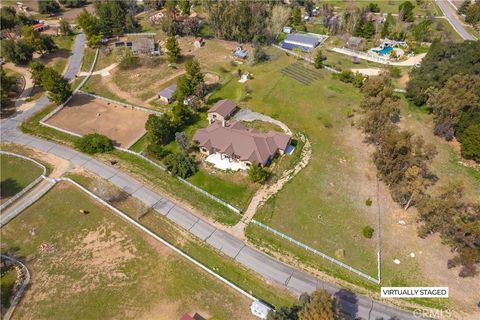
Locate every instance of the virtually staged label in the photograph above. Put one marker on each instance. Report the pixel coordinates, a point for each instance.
(414, 292)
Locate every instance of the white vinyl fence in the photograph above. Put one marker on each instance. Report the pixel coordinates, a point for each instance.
(321, 254)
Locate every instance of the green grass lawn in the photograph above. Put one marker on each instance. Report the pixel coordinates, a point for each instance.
(101, 266)
(141, 169)
(199, 250)
(7, 283)
(59, 57)
(88, 57)
(15, 174)
(321, 205)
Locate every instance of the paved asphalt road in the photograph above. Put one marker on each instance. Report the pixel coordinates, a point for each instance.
(271, 269)
(451, 16)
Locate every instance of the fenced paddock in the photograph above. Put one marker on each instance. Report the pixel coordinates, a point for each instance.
(85, 114)
(301, 73)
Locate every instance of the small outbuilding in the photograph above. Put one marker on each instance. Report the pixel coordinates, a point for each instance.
(260, 309)
(198, 42)
(166, 95)
(221, 111)
(355, 43)
(287, 30)
(304, 42)
(241, 53)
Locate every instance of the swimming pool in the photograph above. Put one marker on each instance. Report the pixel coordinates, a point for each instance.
(386, 50)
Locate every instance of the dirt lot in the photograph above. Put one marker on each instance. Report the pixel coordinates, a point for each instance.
(85, 114)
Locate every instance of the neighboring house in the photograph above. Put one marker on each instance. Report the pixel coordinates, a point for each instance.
(304, 42)
(221, 111)
(236, 143)
(355, 43)
(241, 53)
(141, 46)
(166, 95)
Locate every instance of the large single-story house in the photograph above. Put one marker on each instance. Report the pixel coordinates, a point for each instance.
(166, 95)
(221, 111)
(304, 42)
(236, 143)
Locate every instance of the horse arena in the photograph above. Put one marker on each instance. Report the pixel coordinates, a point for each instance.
(85, 114)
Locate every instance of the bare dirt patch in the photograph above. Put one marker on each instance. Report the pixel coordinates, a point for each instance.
(84, 115)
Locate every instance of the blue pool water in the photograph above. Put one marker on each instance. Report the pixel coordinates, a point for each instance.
(386, 50)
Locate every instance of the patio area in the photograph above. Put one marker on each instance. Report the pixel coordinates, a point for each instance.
(225, 164)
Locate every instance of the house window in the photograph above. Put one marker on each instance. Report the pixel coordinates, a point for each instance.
(204, 149)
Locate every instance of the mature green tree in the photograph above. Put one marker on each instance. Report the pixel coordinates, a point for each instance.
(458, 223)
(459, 94)
(180, 164)
(58, 87)
(40, 43)
(182, 114)
(65, 28)
(170, 5)
(173, 48)
(91, 26)
(73, 3)
(405, 11)
(18, 52)
(470, 142)
(442, 61)
(49, 6)
(322, 306)
(94, 143)
(422, 31)
(192, 26)
(184, 7)
(8, 18)
(464, 7)
(159, 129)
(373, 7)
(296, 18)
(318, 63)
(6, 84)
(386, 28)
(36, 69)
(472, 15)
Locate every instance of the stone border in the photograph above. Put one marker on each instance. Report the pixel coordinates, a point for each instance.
(18, 292)
(30, 185)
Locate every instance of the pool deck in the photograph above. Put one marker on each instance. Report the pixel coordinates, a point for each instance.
(363, 55)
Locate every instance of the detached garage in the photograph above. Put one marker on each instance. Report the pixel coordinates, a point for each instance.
(304, 42)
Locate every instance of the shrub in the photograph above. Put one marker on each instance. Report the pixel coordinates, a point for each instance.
(128, 60)
(368, 202)
(256, 173)
(367, 232)
(180, 164)
(395, 72)
(94, 143)
(157, 151)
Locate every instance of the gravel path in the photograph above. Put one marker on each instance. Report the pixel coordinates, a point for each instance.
(249, 115)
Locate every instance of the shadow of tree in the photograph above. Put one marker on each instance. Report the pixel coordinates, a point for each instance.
(9, 188)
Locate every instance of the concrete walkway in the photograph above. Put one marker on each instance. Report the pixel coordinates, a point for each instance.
(25, 201)
(271, 269)
(103, 72)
